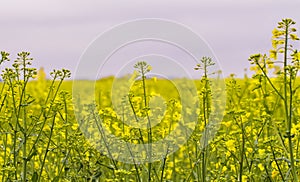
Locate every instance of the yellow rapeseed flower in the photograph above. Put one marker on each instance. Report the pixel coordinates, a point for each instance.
(260, 166)
(274, 173)
(230, 144)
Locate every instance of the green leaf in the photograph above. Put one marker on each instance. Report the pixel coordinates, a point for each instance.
(32, 154)
(56, 179)
(35, 177)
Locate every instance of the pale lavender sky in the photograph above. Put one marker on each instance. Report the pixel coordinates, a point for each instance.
(58, 32)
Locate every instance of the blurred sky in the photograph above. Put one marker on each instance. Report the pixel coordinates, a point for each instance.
(57, 32)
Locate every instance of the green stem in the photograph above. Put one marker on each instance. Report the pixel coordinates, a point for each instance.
(242, 152)
(134, 163)
(23, 95)
(4, 160)
(103, 136)
(47, 148)
(149, 124)
(17, 125)
(163, 167)
(288, 111)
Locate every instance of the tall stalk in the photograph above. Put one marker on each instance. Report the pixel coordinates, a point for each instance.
(288, 106)
(205, 92)
(144, 68)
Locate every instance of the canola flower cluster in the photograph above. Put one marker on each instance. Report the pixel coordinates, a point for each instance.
(43, 138)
